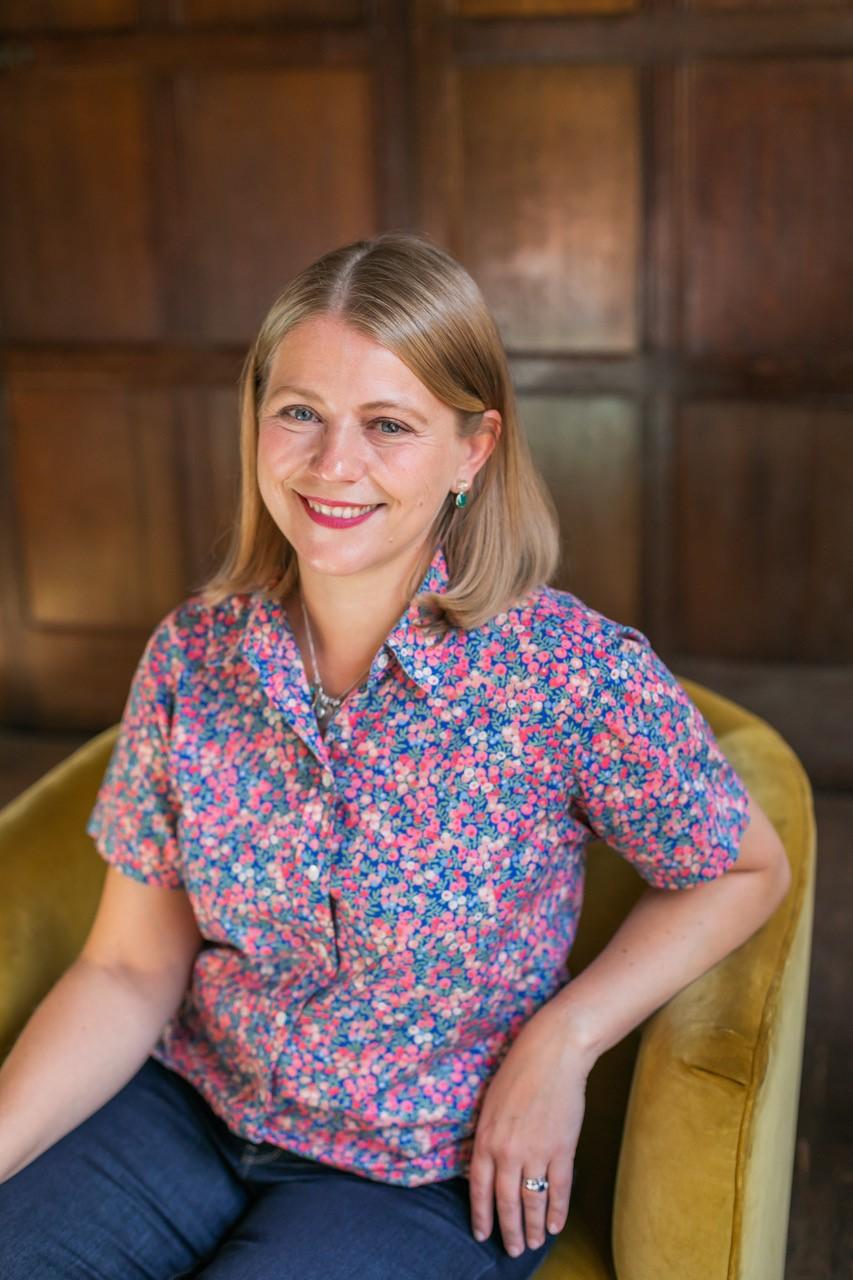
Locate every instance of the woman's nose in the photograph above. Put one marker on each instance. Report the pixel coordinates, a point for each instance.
(339, 451)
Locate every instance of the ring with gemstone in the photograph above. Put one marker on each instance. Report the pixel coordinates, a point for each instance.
(535, 1184)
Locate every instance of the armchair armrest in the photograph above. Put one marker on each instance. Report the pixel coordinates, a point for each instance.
(50, 881)
(704, 1178)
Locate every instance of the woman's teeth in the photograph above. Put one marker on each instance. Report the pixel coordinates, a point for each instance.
(344, 513)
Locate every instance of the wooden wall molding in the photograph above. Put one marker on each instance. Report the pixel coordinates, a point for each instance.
(652, 197)
(656, 37)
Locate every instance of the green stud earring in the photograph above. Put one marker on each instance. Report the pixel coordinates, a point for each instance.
(462, 498)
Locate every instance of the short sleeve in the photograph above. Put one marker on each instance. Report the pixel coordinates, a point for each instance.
(134, 821)
(650, 778)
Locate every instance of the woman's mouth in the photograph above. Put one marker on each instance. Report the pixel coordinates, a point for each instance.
(344, 517)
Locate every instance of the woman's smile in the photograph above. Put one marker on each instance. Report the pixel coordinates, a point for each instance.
(345, 516)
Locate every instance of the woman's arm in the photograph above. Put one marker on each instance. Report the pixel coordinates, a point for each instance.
(533, 1109)
(95, 1028)
(89, 1035)
(669, 939)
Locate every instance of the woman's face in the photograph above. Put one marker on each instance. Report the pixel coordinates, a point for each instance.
(346, 423)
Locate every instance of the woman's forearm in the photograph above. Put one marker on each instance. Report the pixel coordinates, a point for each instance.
(83, 1042)
(670, 938)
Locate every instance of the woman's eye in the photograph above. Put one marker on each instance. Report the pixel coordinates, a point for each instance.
(294, 409)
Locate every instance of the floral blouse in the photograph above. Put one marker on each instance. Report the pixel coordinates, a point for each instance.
(385, 906)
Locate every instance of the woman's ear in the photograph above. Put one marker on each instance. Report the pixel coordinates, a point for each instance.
(485, 439)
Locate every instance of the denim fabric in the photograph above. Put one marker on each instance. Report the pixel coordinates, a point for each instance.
(154, 1186)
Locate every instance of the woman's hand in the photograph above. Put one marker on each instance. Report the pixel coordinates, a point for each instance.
(528, 1128)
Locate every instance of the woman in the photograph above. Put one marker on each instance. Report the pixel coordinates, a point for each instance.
(323, 1024)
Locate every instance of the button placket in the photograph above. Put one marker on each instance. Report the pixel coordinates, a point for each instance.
(327, 779)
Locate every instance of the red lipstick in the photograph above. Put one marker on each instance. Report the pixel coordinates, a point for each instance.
(336, 522)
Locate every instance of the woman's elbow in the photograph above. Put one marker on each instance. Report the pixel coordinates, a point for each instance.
(762, 851)
(775, 873)
(782, 874)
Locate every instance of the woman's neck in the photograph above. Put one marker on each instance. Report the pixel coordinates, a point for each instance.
(348, 626)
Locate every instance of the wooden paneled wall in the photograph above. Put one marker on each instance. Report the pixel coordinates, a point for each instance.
(654, 197)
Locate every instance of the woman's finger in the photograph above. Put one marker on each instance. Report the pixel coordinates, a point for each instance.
(560, 1177)
(481, 1175)
(508, 1199)
(535, 1204)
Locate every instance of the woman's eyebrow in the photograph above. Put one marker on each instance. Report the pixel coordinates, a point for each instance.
(402, 405)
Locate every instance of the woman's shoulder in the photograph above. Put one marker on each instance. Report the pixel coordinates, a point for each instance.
(197, 631)
(561, 621)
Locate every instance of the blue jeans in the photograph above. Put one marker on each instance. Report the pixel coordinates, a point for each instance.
(154, 1186)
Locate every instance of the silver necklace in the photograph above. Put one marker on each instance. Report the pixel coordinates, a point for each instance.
(324, 704)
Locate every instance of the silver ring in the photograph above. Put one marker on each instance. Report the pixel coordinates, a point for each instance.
(535, 1184)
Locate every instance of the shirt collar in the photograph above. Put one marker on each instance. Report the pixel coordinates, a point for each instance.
(418, 653)
(269, 641)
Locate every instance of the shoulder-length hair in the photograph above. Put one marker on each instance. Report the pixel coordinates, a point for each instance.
(420, 303)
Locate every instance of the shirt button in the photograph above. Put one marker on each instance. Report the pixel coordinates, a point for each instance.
(328, 778)
(313, 871)
(280, 1019)
(382, 660)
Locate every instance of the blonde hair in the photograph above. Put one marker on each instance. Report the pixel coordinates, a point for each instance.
(420, 303)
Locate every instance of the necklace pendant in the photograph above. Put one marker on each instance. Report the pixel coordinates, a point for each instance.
(324, 705)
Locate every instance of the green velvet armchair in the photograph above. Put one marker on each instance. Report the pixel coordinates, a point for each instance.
(683, 1171)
